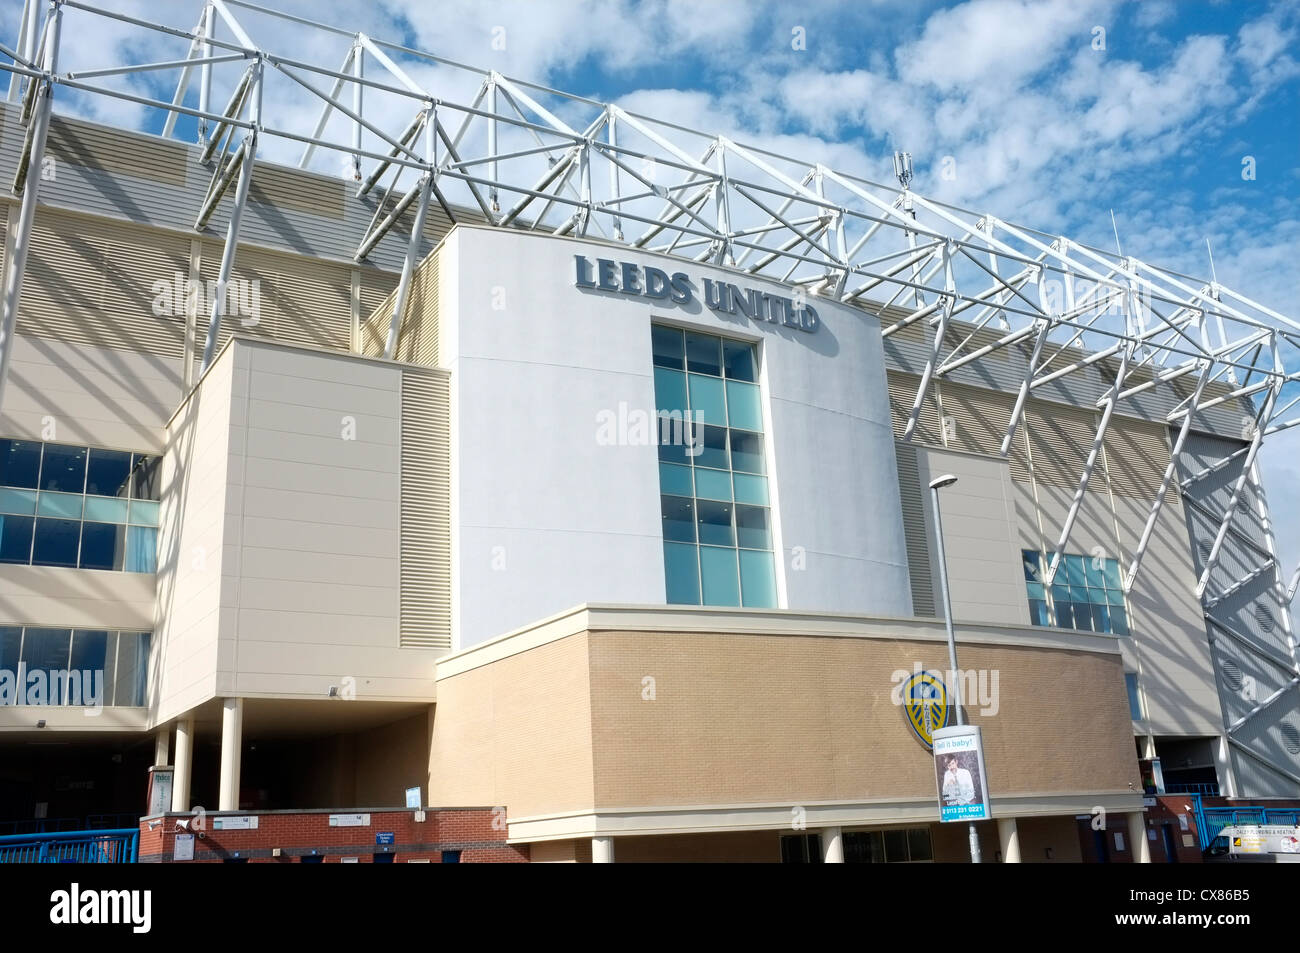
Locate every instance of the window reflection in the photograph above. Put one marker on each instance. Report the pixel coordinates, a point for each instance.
(83, 507)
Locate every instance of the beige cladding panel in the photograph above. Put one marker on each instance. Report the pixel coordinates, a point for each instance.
(113, 284)
(323, 428)
(76, 598)
(981, 536)
(517, 733)
(375, 287)
(1177, 674)
(283, 297)
(417, 339)
(1137, 454)
(191, 550)
(916, 532)
(774, 719)
(283, 187)
(100, 397)
(425, 510)
(1060, 438)
(1093, 532)
(105, 283)
(902, 394)
(281, 561)
(104, 148)
(980, 419)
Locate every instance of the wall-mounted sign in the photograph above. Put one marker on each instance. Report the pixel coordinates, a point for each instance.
(1262, 839)
(247, 822)
(645, 281)
(349, 820)
(413, 798)
(183, 848)
(925, 701)
(385, 837)
(959, 772)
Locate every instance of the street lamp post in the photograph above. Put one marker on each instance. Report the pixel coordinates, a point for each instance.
(937, 484)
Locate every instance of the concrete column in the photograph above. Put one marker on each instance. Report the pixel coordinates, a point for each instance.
(1137, 835)
(232, 731)
(184, 757)
(1009, 840)
(602, 850)
(161, 747)
(1227, 774)
(832, 845)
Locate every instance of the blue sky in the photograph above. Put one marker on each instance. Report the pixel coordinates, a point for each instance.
(1041, 125)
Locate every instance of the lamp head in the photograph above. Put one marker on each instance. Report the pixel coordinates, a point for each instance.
(939, 483)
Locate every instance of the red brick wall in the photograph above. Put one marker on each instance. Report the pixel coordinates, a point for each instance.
(1165, 814)
(304, 833)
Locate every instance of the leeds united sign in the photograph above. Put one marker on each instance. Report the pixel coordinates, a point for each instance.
(629, 278)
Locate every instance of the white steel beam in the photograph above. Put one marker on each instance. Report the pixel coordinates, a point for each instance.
(33, 155)
(1088, 466)
(408, 265)
(1167, 478)
(1239, 484)
(249, 149)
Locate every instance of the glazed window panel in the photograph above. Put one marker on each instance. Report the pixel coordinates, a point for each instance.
(1086, 593)
(73, 667)
(78, 507)
(717, 524)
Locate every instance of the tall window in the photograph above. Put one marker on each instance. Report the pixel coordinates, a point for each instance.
(1134, 699)
(717, 523)
(72, 667)
(80, 507)
(1085, 594)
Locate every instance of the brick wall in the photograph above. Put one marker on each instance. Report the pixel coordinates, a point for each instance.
(298, 834)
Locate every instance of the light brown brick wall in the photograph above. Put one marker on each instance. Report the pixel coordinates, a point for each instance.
(516, 733)
(742, 718)
(759, 719)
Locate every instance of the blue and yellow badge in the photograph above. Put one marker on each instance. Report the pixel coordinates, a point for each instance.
(925, 700)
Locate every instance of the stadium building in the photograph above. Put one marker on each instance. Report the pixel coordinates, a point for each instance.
(574, 469)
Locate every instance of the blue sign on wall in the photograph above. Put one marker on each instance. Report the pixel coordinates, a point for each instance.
(384, 837)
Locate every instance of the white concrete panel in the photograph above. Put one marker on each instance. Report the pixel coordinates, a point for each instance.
(534, 359)
(539, 572)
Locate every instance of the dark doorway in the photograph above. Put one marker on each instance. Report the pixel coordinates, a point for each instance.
(1171, 845)
(1099, 847)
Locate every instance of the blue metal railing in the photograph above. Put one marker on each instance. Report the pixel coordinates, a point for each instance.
(1209, 788)
(1212, 820)
(114, 846)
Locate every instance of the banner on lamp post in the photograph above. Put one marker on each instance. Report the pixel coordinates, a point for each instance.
(959, 772)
